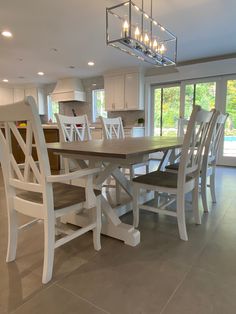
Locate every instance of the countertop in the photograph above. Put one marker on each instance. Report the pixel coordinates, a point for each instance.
(92, 127)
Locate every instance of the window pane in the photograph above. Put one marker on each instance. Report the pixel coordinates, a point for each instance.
(99, 104)
(230, 126)
(166, 116)
(157, 111)
(170, 110)
(189, 95)
(205, 95)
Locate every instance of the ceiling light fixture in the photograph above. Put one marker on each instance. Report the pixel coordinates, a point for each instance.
(91, 63)
(41, 73)
(140, 35)
(5, 80)
(6, 33)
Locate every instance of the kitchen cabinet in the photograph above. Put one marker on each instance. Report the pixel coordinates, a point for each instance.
(114, 93)
(39, 97)
(124, 92)
(18, 94)
(6, 96)
(135, 131)
(51, 135)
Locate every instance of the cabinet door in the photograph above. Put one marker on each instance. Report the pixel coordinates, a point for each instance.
(132, 91)
(119, 89)
(38, 95)
(18, 94)
(109, 93)
(6, 96)
(32, 92)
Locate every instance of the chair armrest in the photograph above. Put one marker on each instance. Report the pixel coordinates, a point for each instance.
(73, 175)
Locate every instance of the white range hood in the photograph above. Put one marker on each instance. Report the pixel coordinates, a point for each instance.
(69, 89)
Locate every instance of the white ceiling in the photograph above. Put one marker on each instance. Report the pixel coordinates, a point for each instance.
(76, 28)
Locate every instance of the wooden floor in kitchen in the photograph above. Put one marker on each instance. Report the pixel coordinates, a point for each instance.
(161, 275)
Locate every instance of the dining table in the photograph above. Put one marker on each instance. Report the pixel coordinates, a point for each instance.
(111, 155)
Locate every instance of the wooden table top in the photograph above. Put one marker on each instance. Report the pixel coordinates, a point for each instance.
(118, 148)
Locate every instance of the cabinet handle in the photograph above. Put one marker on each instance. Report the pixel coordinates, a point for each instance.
(126, 105)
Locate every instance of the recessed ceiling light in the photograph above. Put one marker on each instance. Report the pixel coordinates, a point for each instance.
(7, 34)
(94, 84)
(5, 80)
(40, 73)
(91, 63)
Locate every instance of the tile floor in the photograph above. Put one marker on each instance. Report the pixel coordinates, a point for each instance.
(161, 275)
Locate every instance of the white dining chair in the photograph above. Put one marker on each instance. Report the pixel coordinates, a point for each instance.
(32, 190)
(209, 160)
(72, 129)
(113, 128)
(176, 185)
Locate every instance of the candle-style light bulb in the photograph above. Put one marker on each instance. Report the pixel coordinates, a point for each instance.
(125, 28)
(162, 49)
(137, 33)
(146, 39)
(154, 45)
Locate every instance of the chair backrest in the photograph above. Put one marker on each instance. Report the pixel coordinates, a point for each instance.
(112, 128)
(215, 133)
(182, 126)
(29, 176)
(73, 128)
(194, 142)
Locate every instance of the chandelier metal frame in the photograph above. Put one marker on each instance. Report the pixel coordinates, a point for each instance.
(133, 39)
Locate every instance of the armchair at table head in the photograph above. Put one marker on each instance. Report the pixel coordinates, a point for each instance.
(32, 190)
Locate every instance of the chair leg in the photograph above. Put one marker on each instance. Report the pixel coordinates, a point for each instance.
(204, 193)
(196, 212)
(135, 205)
(97, 229)
(118, 193)
(49, 242)
(181, 217)
(12, 233)
(212, 186)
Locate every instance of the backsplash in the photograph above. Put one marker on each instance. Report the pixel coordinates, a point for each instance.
(128, 117)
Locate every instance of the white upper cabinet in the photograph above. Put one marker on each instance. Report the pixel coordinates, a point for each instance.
(18, 94)
(39, 96)
(6, 96)
(114, 93)
(124, 92)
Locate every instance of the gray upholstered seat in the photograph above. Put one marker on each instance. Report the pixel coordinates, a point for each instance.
(65, 195)
(160, 178)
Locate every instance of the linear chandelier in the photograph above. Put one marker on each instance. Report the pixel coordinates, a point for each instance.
(135, 32)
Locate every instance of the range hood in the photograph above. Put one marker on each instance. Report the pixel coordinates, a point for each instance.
(68, 89)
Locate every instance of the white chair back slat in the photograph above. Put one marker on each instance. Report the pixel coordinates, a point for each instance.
(212, 145)
(112, 128)
(73, 128)
(34, 171)
(194, 142)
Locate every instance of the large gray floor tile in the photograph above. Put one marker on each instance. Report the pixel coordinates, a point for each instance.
(56, 300)
(203, 293)
(126, 283)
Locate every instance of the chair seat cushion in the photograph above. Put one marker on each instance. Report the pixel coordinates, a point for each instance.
(160, 178)
(173, 166)
(65, 195)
